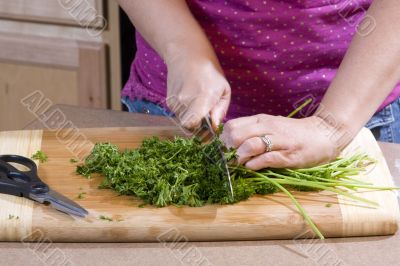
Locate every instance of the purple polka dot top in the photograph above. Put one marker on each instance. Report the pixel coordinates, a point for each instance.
(275, 54)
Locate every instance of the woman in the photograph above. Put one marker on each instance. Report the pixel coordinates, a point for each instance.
(253, 62)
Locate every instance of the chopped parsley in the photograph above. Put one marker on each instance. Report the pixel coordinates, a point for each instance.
(105, 218)
(11, 217)
(185, 171)
(40, 156)
(81, 195)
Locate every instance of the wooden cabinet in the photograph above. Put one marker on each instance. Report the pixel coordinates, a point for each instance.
(68, 64)
(73, 12)
(19, 81)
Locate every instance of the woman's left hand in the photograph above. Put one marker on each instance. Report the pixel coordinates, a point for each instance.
(296, 143)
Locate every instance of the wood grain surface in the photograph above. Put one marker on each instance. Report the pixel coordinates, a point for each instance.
(386, 216)
(15, 212)
(261, 217)
(49, 11)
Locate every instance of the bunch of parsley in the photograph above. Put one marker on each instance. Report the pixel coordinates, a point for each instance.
(179, 171)
(188, 172)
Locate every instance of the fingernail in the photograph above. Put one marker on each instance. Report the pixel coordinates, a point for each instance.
(248, 165)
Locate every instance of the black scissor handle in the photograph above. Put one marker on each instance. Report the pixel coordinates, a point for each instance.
(17, 182)
(28, 163)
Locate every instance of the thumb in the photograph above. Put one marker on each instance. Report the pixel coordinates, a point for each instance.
(219, 111)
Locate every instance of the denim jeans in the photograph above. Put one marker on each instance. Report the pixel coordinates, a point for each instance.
(145, 107)
(385, 124)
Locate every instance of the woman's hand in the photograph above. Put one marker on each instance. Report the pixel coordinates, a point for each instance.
(197, 87)
(297, 143)
(196, 84)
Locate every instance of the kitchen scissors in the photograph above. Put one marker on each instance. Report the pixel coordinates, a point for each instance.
(27, 184)
(206, 123)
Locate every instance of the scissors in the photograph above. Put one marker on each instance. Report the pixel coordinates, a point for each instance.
(27, 184)
(207, 124)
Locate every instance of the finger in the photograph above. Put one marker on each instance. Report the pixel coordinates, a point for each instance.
(255, 146)
(198, 109)
(242, 122)
(274, 159)
(220, 110)
(172, 102)
(233, 138)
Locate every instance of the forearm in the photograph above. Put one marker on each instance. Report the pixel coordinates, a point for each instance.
(169, 27)
(369, 71)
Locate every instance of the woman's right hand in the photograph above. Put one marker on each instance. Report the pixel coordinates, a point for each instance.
(196, 83)
(197, 87)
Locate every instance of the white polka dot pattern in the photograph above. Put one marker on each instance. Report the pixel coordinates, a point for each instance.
(274, 53)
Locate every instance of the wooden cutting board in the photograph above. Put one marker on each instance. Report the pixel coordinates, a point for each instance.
(261, 217)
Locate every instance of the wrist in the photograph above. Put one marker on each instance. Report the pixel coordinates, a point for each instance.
(337, 129)
(186, 53)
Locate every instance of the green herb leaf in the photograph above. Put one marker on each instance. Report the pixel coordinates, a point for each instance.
(81, 195)
(105, 218)
(12, 216)
(40, 155)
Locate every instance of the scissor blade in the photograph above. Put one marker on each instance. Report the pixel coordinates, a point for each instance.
(60, 202)
(224, 161)
(227, 172)
(209, 125)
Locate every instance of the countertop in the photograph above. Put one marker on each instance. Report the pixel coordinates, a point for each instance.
(383, 250)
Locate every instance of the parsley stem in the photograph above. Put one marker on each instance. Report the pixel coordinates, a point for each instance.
(296, 203)
(298, 109)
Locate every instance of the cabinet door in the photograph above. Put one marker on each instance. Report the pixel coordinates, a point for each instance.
(63, 70)
(75, 12)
